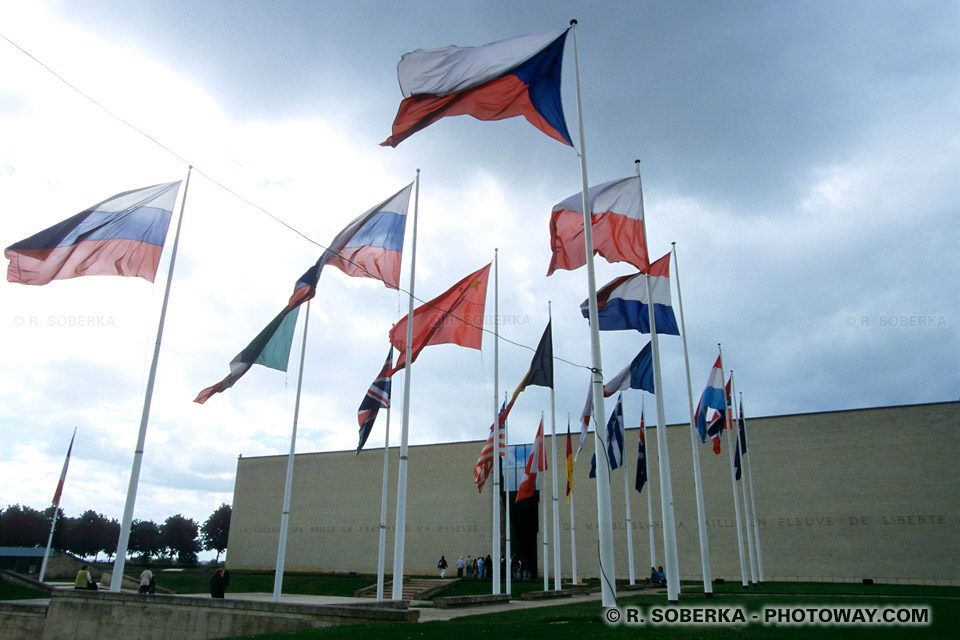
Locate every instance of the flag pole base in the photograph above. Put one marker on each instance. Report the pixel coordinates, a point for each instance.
(708, 594)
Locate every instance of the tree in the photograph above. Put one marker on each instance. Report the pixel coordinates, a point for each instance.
(89, 534)
(23, 527)
(216, 530)
(145, 538)
(179, 535)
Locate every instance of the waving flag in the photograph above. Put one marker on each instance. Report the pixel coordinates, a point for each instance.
(481, 470)
(536, 463)
(454, 317)
(743, 427)
(369, 247)
(378, 396)
(63, 474)
(121, 236)
(585, 417)
(641, 458)
(514, 77)
(617, 220)
(271, 348)
(614, 440)
(636, 375)
(622, 303)
(711, 398)
(715, 431)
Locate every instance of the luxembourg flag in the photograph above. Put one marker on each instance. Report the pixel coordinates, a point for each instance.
(369, 247)
(712, 398)
(513, 77)
(616, 210)
(121, 236)
(622, 303)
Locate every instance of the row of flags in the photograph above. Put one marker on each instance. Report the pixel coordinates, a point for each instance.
(124, 235)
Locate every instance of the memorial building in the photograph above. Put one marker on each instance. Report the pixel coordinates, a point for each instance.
(852, 495)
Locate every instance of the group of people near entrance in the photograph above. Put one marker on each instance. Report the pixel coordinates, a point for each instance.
(481, 568)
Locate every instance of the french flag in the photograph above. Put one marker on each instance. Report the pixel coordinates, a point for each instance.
(616, 210)
(513, 77)
(121, 236)
(712, 398)
(369, 247)
(623, 304)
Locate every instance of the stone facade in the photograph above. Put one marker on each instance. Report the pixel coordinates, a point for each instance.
(841, 496)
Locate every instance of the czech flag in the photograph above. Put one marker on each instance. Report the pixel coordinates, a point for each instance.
(616, 210)
(121, 236)
(514, 77)
(623, 303)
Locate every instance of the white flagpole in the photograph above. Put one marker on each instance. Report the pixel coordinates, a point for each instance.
(288, 481)
(121, 556)
(381, 558)
(400, 533)
(733, 481)
(573, 532)
(608, 583)
(666, 486)
(496, 423)
(553, 441)
(698, 481)
(506, 490)
(626, 498)
(646, 463)
(753, 502)
(541, 478)
(743, 487)
(56, 507)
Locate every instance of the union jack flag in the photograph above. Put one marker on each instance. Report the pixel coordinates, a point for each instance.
(378, 395)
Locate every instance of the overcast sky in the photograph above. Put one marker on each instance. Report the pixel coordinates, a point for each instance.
(804, 156)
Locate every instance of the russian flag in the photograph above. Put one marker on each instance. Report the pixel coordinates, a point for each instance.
(712, 398)
(369, 247)
(616, 210)
(622, 303)
(121, 236)
(513, 77)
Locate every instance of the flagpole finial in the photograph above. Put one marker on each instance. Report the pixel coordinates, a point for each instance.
(673, 244)
(573, 22)
(637, 161)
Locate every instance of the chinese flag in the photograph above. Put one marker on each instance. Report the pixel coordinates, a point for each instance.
(454, 317)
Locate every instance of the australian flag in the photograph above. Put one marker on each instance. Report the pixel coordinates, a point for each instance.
(378, 395)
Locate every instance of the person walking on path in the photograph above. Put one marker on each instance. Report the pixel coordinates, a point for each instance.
(442, 565)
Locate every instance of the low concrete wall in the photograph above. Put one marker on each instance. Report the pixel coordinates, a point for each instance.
(22, 620)
(120, 616)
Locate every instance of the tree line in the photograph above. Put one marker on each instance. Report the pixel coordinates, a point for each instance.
(91, 533)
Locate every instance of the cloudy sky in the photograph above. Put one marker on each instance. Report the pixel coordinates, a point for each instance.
(804, 156)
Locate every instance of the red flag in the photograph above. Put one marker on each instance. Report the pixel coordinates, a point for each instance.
(536, 463)
(454, 317)
(63, 474)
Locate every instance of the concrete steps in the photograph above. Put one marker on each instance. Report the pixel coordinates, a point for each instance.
(413, 588)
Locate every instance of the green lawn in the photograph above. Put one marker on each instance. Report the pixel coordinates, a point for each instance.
(584, 622)
(12, 592)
